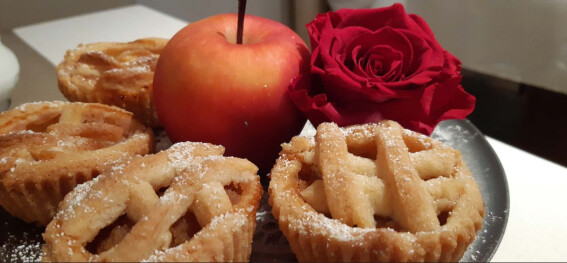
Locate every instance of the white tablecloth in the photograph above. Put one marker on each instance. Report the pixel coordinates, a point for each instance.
(536, 229)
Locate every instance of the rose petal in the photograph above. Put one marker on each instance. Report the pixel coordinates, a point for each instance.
(339, 87)
(332, 55)
(382, 62)
(423, 29)
(315, 107)
(426, 56)
(388, 37)
(341, 39)
(315, 27)
(448, 100)
(373, 19)
(353, 63)
(451, 65)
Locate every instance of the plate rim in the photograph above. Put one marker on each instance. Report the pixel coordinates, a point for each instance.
(506, 196)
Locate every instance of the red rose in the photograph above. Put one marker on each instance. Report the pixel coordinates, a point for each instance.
(374, 64)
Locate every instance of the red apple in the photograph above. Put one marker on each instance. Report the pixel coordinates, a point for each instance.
(208, 88)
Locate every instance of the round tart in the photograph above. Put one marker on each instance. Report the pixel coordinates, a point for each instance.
(186, 203)
(119, 74)
(47, 148)
(374, 192)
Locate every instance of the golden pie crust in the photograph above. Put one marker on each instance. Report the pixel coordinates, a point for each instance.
(374, 192)
(113, 73)
(47, 148)
(186, 203)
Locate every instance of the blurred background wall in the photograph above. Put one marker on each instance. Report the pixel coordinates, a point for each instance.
(192, 10)
(522, 41)
(15, 13)
(293, 13)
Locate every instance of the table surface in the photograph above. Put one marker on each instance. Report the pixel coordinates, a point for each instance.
(538, 188)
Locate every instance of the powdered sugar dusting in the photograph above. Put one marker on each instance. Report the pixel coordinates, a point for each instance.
(49, 104)
(180, 155)
(357, 132)
(22, 132)
(219, 220)
(317, 224)
(76, 197)
(423, 139)
(231, 221)
(172, 198)
(453, 133)
(132, 70)
(160, 255)
(23, 248)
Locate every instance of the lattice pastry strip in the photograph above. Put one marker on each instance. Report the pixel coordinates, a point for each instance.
(362, 187)
(191, 179)
(333, 159)
(412, 205)
(391, 195)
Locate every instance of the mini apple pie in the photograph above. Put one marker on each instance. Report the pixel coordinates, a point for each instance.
(47, 148)
(119, 74)
(374, 192)
(186, 203)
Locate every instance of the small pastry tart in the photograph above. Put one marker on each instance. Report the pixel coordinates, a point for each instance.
(186, 203)
(47, 148)
(374, 192)
(112, 73)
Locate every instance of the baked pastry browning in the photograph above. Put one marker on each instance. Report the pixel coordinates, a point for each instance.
(119, 74)
(47, 148)
(187, 203)
(374, 192)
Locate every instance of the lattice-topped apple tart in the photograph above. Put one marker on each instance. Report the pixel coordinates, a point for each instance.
(47, 148)
(374, 192)
(113, 73)
(186, 203)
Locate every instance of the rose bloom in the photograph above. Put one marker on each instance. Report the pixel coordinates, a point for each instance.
(373, 64)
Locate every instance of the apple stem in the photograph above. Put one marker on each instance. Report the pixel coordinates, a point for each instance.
(240, 28)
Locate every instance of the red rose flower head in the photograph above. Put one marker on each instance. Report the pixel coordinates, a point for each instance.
(373, 64)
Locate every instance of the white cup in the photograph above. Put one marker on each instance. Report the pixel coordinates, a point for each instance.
(9, 73)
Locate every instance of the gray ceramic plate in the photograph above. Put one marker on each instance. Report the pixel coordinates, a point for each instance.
(488, 172)
(271, 245)
(22, 242)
